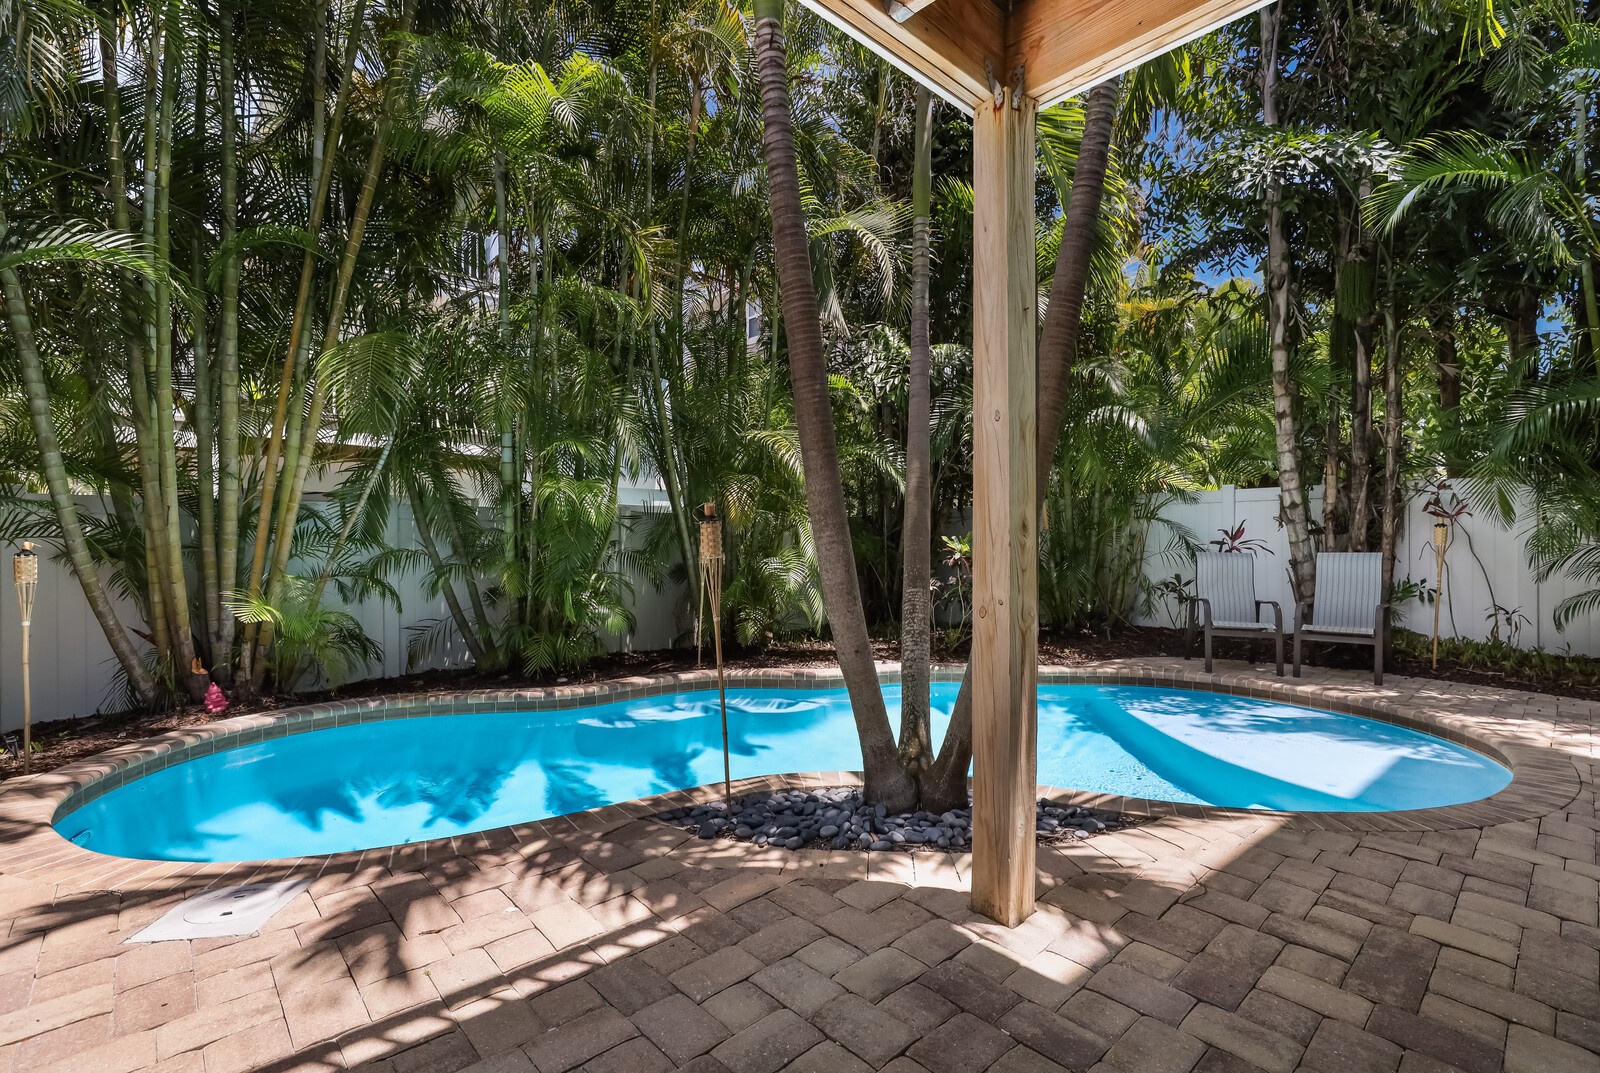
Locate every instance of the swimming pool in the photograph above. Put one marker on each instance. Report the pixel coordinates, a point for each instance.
(406, 780)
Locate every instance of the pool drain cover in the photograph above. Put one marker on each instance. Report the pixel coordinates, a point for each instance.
(214, 914)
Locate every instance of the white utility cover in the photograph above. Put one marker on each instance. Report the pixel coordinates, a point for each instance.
(216, 914)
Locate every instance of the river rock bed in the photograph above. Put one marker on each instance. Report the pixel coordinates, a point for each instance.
(840, 819)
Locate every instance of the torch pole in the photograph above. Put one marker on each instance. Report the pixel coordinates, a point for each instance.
(25, 574)
(1441, 542)
(27, 704)
(711, 588)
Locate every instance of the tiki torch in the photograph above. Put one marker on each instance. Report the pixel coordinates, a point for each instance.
(1441, 543)
(711, 587)
(25, 573)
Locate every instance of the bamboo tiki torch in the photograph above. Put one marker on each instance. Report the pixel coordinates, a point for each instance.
(711, 587)
(25, 573)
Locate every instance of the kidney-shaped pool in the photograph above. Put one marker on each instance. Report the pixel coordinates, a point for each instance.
(403, 780)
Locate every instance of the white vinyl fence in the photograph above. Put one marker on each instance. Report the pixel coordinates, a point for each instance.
(74, 672)
(1486, 567)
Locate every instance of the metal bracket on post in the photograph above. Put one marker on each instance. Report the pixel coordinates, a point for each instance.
(995, 87)
(1016, 87)
(897, 11)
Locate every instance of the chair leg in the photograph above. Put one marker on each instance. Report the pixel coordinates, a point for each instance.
(1377, 661)
(1208, 651)
(1280, 653)
(1297, 654)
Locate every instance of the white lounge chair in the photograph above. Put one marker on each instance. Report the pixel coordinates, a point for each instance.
(1349, 607)
(1225, 603)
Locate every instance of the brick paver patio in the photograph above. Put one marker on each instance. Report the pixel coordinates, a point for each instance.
(608, 943)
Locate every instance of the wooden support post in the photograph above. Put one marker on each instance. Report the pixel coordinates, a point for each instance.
(1005, 555)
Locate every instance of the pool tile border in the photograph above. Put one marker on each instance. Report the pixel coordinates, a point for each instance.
(1543, 780)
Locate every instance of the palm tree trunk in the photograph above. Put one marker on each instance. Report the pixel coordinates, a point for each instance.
(668, 454)
(1330, 475)
(1447, 374)
(945, 785)
(205, 430)
(227, 354)
(350, 523)
(490, 659)
(55, 475)
(171, 546)
(141, 370)
(1291, 497)
(1393, 441)
(916, 612)
(1361, 432)
(463, 625)
(886, 780)
(1058, 341)
(133, 356)
(510, 486)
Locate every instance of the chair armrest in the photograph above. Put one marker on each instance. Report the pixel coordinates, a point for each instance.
(1277, 613)
(1300, 616)
(1205, 606)
(1380, 620)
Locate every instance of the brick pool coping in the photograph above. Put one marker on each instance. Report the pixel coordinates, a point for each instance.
(1543, 780)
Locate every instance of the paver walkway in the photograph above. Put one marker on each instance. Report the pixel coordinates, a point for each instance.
(1224, 945)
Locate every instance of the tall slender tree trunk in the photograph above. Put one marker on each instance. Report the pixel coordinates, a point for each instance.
(122, 217)
(510, 484)
(55, 475)
(658, 387)
(945, 785)
(325, 151)
(1365, 336)
(887, 782)
(1291, 496)
(1447, 375)
(1393, 439)
(288, 514)
(1330, 477)
(916, 537)
(171, 533)
(227, 351)
(141, 368)
(205, 428)
(469, 636)
(350, 521)
(1058, 339)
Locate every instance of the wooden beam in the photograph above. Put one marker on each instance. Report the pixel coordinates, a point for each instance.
(1066, 46)
(945, 45)
(1005, 552)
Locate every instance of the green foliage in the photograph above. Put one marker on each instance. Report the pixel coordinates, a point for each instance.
(315, 646)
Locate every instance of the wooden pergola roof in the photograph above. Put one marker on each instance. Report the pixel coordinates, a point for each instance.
(1001, 61)
(1062, 46)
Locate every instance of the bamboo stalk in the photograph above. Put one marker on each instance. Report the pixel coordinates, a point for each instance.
(299, 336)
(307, 441)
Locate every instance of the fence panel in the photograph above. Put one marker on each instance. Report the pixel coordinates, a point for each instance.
(1487, 567)
(75, 674)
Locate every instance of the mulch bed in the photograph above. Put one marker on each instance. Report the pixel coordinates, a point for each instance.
(65, 741)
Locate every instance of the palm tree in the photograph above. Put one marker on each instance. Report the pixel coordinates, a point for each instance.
(886, 780)
(1292, 500)
(83, 247)
(916, 614)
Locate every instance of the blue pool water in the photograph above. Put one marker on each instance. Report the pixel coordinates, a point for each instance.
(409, 780)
